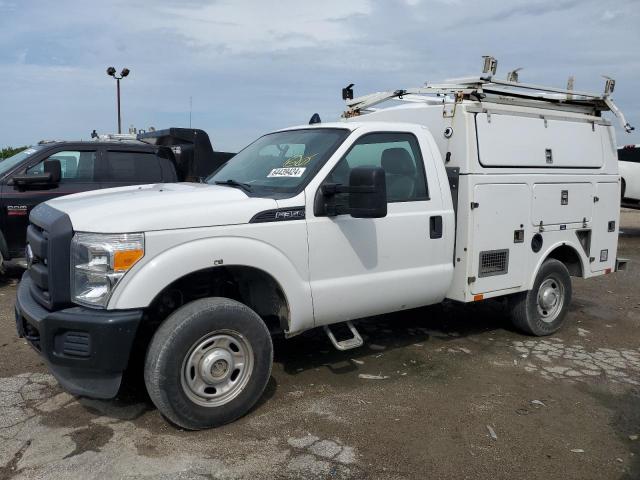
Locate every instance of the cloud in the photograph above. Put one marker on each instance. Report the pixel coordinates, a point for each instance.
(254, 66)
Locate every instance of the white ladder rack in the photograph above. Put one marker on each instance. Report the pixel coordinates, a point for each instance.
(487, 87)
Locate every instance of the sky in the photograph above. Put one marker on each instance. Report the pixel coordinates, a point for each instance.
(255, 66)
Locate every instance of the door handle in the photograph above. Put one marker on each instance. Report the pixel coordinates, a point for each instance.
(435, 227)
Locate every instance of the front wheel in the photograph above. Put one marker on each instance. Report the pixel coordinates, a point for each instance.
(208, 363)
(542, 310)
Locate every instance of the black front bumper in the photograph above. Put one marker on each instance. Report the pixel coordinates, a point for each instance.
(87, 350)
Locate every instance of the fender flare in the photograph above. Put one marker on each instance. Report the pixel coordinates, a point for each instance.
(145, 281)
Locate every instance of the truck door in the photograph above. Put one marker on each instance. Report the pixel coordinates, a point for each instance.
(77, 175)
(361, 267)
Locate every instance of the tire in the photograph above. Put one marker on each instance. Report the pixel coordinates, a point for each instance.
(193, 357)
(623, 187)
(535, 312)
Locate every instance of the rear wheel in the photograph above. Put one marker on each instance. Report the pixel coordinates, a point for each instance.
(542, 310)
(208, 363)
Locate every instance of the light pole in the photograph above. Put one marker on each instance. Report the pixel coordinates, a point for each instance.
(112, 73)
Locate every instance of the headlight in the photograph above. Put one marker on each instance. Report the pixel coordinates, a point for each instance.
(99, 261)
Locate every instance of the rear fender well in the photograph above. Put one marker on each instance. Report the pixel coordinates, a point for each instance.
(569, 253)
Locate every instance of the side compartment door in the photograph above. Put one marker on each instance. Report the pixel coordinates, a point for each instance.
(362, 267)
(604, 230)
(500, 215)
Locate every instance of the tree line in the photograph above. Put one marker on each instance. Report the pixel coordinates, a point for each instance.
(10, 151)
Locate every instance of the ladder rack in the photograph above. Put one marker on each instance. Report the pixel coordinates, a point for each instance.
(488, 87)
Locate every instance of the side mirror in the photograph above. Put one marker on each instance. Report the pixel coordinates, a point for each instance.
(368, 192)
(54, 168)
(367, 195)
(50, 178)
(24, 182)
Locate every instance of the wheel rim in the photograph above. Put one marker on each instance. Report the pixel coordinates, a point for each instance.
(217, 368)
(550, 299)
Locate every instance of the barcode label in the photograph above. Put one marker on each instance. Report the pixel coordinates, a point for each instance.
(286, 172)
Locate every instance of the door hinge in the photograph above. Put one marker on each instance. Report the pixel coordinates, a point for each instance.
(474, 205)
(470, 280)
(596, 199)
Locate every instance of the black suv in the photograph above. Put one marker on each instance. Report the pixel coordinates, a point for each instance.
(52, 169)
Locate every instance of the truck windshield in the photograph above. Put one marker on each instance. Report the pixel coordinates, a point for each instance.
(15, 160)
(280, 162)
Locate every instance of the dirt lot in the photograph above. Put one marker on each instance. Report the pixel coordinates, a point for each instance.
(461, 395)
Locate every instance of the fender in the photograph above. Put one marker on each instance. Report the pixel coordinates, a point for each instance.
(140, 286)
(560, 243)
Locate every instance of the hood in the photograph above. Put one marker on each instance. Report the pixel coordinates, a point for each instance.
(143, 208)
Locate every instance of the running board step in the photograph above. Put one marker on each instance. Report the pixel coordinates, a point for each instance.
(354, 342)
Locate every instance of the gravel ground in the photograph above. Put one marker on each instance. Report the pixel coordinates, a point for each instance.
(459, 395)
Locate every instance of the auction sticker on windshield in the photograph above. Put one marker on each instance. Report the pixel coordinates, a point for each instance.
(286, 172)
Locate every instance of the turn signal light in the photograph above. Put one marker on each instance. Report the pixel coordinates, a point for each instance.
(123, 260)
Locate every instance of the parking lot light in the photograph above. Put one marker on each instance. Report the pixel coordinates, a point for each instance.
(111, 71)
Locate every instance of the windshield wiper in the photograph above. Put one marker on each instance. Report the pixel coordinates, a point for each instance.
(234, 183)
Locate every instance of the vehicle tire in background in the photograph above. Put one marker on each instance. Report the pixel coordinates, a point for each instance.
(542, 310)
(623, 186)
(208, 363)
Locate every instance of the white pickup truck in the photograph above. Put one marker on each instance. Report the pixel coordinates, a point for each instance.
(490, 189)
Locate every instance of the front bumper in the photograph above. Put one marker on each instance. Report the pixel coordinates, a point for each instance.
(87, 350)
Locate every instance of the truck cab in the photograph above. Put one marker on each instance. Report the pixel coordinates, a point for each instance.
(52, 169)
(475, 197)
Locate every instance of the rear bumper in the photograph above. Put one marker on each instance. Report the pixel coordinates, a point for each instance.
(86, 350)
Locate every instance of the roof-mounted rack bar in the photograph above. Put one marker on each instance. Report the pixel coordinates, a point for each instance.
(477, 89)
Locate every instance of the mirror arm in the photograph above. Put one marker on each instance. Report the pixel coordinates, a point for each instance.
(334, 210)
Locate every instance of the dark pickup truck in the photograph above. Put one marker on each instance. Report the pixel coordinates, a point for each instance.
(52, 169)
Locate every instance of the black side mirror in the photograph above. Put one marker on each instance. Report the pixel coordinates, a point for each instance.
(368, 192)
(52, 173)
(367, 195)
(40, 181)
(54, 168)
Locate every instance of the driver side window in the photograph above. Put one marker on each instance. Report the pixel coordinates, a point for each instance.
(398, 154)
(75, 166)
